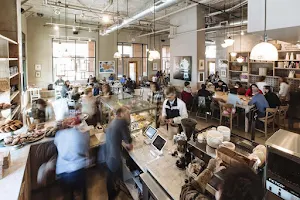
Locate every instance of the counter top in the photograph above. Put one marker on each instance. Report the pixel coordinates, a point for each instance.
(11, 183)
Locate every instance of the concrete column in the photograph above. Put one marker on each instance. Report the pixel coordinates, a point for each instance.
(188, 44)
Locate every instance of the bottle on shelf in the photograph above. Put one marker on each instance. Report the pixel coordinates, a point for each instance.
(292, 56)
(287, 56)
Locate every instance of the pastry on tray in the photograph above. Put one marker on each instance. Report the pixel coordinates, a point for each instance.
(11, 125)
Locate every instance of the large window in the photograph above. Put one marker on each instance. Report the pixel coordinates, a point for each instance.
(210, 51)
(132, 52)
(73, 60)
(165, 59)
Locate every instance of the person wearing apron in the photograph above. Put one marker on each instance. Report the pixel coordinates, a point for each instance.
(174, 109)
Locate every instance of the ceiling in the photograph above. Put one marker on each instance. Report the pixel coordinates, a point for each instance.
(90, 12)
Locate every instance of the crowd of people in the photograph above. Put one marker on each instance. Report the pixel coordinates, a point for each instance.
(73, 155)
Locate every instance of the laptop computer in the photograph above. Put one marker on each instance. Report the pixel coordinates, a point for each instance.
(150, 133)
(158, 143)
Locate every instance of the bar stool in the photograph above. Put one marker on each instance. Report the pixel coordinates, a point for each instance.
(34, 94)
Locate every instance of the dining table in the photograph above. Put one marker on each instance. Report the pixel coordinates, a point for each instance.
(245, 100)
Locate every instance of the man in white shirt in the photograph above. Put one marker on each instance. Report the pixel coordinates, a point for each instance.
(174, 109)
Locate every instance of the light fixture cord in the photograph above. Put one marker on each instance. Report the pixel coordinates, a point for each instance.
(265, 32)
(117, 23)
(154, 24)
(241, 27)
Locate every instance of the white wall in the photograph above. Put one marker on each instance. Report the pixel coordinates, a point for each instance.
(190, 44)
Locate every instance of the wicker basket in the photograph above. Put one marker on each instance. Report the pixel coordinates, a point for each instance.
(236, 68)
(4, 85)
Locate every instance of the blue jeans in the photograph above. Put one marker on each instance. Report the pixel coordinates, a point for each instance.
(72, 182)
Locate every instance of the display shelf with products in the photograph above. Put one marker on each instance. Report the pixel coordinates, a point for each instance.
(142, 113)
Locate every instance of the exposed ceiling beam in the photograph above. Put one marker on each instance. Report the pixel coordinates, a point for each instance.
(24, 2)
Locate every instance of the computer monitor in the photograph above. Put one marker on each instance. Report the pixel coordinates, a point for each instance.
(159, 142)
(150, 132)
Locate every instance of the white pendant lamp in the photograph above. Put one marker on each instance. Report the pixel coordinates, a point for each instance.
(264, 50)
(240, 59)
(117, 55)
(154, 54)
(224, 45)
(229, 41)
(233, 54)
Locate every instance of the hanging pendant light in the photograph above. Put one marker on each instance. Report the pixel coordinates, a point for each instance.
(229, 41)
(240, 59)
(154, 54)
(264, 50)
(117, 55)
(224, 45)
(233, 54)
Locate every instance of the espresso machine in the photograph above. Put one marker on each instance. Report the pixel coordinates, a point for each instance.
(282, 177)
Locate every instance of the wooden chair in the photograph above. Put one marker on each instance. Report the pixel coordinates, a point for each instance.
(230, 116)
(34, 94)
(269, 118)
(281, 115)
(201, 108)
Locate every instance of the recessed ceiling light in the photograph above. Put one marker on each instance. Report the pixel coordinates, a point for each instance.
(242, 33)
(56, 27)
(74, 28)
(105, 19)
(90, 39)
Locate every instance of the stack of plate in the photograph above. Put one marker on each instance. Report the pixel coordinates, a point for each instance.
(225, 131)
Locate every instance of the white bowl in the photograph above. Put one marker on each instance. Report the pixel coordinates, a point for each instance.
(228, 145)
(225, 131)
(214, 138)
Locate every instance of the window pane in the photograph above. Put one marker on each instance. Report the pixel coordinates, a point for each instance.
(127, 51)
(210, 51)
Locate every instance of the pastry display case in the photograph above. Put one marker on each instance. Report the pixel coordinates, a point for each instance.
(142, 112)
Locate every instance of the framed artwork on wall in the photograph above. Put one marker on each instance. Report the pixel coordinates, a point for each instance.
(38, 67)
(107, 66)
(38, 74)
(183, 68)
(201, 77)
(154, 67)
(223, 73)
(201, 65)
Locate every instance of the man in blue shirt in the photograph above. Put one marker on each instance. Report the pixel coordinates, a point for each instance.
(111, 77)
(123, 80)
(73, 147)
(117, 131)
(259, 101)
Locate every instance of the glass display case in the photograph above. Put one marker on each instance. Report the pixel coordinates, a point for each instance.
(142, 112)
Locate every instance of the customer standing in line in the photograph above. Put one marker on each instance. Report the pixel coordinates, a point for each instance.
(156, 97)
(65, 89)
(271, 97)
(284, 90)
(174, 109)
(73, 148)
(259, 101)
(117, 132)
(186, 94)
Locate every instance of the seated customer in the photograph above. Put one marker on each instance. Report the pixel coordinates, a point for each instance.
(73, 148)
(261, 83)
(123, 80)
(174, 109)
(203, 92)
(111, 77)
(271, 97)
(221, 86)
(75, 94)
(259, 101)
(249, 92)
(240, 89)
(89, 106)
(155, 96)
(186, 94)
(233, 98)
(65, 89)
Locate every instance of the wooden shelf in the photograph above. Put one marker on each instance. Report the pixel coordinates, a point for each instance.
(13, 75)
(14, 95)
(237, 71)
(238, 80)
(14, 112)
(265, 76)
(261, 62)
(8, 39)
(238, 62)
(287, 60)
(287, 68)
(8, 59)
(282, 51)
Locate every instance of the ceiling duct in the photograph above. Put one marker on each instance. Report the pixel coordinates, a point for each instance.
(160, 6)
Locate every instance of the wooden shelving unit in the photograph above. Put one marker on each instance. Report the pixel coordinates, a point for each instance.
(11, 55)
(273, 72)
